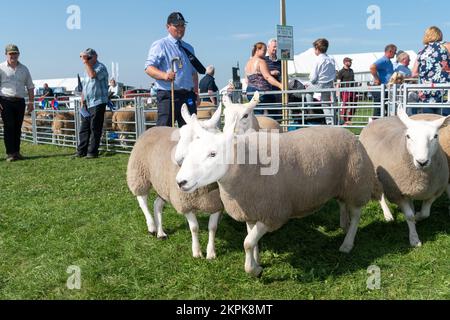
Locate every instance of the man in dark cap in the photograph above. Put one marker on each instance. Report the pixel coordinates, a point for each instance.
(14, 78)
(94, 99)
(346, 79)
(172, 59)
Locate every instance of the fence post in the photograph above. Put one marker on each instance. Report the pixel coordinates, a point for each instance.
(139, 116)
(382, 100)
(34, 126)
(77, 121)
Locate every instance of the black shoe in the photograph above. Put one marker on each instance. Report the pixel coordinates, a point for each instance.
(91, 156)
(78, 155)
(18, 156)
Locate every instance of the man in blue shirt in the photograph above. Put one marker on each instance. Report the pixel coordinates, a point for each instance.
(382, 71)
(159, 67)
(94, 99)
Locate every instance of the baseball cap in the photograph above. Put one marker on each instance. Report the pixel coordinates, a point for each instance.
(11, 48)
(90, 52)
(175, 18)
(347, 59)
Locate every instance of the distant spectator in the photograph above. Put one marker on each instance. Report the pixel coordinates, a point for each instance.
(403, 61)
(258, 75)
(113, 89)
(208, 85)
(432, 67)
(382, 71)
(48, 92)
(273, 63)
(346, 79)
(322, 77)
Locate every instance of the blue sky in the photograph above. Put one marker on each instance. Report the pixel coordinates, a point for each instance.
(222, 32)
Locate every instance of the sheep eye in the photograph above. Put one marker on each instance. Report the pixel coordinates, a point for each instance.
(213, 154)
(408, 136)
(436, 136)
(245, 116)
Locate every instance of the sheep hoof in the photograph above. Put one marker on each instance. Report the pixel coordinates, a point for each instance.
(255, 272)
(198, 255)
(152, 233)
(416, 243)
(346, 248)
(389, 219)
(211, 256)
(163, 237)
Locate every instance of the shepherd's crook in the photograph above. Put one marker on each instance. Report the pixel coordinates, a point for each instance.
(176, 59)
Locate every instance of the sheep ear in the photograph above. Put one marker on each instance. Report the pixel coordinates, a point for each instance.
(215, 119)
(185, 114)
(439, 123)
(198, 129)
(254, 102)
(403, 116)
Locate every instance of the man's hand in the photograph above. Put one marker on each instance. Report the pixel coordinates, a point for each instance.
(30, 107)
(170, 76)
(377, 82)
(275, 73)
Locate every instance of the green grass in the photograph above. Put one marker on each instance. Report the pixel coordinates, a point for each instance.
(56, 212)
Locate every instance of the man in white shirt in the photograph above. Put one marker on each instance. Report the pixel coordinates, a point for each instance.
(14, 78)
(323, 76)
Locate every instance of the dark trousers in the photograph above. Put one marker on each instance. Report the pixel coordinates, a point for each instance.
(91, 131)
(12, 115)
(165, 106)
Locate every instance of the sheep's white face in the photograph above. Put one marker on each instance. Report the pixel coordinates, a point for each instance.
(242, 112)
(206, 161)
(422, 139)
(188, 134)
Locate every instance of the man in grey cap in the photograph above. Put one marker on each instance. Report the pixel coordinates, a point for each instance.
(94, 99)
(14, 78)
(185, 77)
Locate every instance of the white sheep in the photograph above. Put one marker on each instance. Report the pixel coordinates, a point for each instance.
(151, 166)
(315, 165)
(409, 163)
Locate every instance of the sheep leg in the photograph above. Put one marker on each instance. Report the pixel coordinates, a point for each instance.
(349, 240)
(148, 217)
(250, 226)
(386, 210)
(408, 210)
(425, 211)
(251, 241)
(212, 227)
(158, 206)
(345, 219)
(193, 225)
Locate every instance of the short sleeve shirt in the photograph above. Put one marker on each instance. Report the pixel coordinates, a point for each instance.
(208, 83)
(385, 69)
(95, 90)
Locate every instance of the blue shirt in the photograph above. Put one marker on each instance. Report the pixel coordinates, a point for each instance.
(403, 70)
(385, 69)
(95, 90)
(160, 56)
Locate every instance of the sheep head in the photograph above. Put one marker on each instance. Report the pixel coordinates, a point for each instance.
(243, 113)
(422, 138)
(207, 158)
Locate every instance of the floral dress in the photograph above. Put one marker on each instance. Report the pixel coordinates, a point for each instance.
(432, 60)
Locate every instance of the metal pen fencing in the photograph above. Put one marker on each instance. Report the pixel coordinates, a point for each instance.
(344, 105)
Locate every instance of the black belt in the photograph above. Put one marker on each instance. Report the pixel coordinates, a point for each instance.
(12, 99)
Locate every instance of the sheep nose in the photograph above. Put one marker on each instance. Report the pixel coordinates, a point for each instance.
(180, 162)
(182, 183)
(423, 164)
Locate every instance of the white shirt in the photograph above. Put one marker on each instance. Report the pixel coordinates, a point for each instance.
(114, 89)
(13, 81)
(324, 70)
